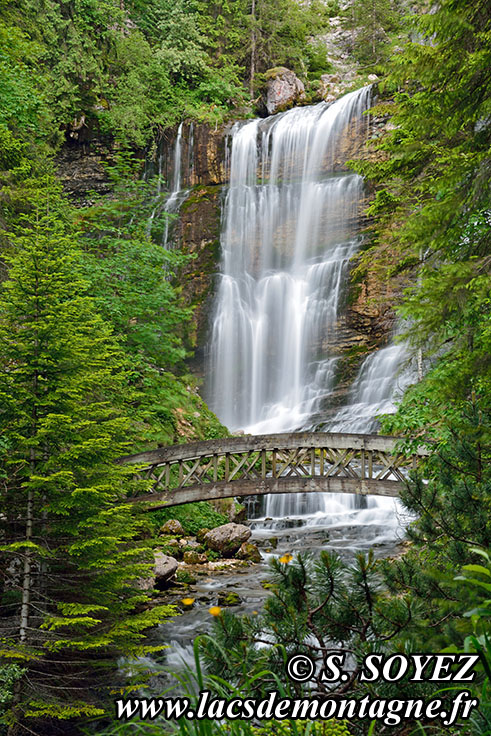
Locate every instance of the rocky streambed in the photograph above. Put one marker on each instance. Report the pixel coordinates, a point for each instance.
(352, 525)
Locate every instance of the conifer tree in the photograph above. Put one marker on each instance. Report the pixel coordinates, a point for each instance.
(71, 602)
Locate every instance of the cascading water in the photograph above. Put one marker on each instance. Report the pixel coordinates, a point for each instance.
(290, 227)
(382, 378)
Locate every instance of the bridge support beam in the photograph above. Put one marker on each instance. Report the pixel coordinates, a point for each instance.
(241, 488)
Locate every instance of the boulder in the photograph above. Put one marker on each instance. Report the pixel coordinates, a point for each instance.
(227, 538)
(172, 526)
(191, 557)
(165, 568)
(283, 90)
(172, 547)
(201, 534)
(249, 551)
(188, 542)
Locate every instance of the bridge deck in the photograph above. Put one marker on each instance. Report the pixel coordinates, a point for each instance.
(299, 462)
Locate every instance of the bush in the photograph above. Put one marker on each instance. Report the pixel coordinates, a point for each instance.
(193, 516)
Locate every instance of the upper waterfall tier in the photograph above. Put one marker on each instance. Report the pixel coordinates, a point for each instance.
(290, 226)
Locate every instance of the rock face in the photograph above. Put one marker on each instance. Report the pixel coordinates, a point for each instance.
(369, 316)
(198, 233)
(172, 526)
(81, 170)
(283, 90)
(227, 538)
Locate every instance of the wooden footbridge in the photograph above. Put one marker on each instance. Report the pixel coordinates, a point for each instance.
(301, 462)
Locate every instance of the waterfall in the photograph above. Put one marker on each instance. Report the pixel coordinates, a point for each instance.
(382, 378)
(289, 230)
(289, 227)
(168, 201)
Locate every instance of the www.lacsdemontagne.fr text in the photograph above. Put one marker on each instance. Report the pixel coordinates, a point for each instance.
(391, 712)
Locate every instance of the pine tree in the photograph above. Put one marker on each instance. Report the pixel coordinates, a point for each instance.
(370, 23)
(451, 499)
(317, 607)
(71, 602)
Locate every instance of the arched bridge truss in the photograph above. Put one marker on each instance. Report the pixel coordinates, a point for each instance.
(301, 462)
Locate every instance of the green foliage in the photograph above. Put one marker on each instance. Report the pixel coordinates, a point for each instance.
(303, 728)
(10, 674)
(64, 392)
(478, 578)
(11, 149)
(182, 576)
(313, 603)
(132, 282)
(372, 24)
(86, 67)
(21, 104)
(453, 514)
(432, 229)
(130, 273)
(193, 516)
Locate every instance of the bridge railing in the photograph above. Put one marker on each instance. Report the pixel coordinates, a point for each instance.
(293, 462)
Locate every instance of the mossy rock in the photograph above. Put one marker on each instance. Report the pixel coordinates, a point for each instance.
(192, 557)
(228, 599)
(276, 71)
(183, 576)
(201, 533)
(172, 526)
(249, 551)
(171, 547)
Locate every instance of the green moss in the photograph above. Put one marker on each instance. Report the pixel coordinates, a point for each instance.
(185, 577)
(199, 194)
(350, 362)
(228, 599)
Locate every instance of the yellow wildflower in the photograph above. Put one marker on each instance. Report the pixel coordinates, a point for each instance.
(215, 610)
(286, 559)
(187, 601)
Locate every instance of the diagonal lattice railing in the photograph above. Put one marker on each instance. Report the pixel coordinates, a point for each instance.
(299, 462)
